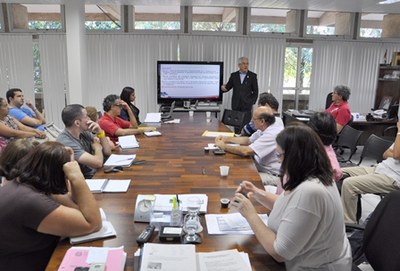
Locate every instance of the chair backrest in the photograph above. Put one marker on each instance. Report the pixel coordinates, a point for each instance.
(233, 118)
(348, 138)
(390, 131)
(374, 148)
(328, 100)
(381, 238)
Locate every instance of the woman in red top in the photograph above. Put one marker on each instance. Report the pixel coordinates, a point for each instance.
(339, 108)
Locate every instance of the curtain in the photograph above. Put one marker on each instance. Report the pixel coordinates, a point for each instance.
(16, 64)
(350, 63)
(266, 58)
(116, 61)
(53, 56)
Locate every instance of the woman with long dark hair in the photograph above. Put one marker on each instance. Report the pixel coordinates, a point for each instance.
(47, 198)
(128, 96)
(306, 225)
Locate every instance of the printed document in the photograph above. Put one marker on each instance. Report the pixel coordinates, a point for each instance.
(233, 223)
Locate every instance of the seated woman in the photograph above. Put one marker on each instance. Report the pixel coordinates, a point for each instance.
(306, 225)
(12, 153)
(128, 96)
(48, 198)
(11, 128)
(339, 108)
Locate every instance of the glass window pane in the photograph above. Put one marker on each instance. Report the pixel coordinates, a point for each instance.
(371, 25)
(305, 67)
(273, 20)
(215, 19)
(36, 17)
(103, 17)
(328, 23)
(157, 17)
(290, 71)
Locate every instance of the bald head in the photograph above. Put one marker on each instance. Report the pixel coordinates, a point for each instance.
(265, 116)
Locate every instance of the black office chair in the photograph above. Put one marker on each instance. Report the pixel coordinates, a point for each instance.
(328, 100)
(347, 139)
(234, 118)
(390, 132)
(381, 244)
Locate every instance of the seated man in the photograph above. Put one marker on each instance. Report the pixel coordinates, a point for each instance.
(264, 99)
(113, 125)
(28, 116)
(88, 150)
(339, 108)
(382, 178)
(261, 144)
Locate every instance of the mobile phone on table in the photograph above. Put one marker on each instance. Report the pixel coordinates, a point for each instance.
(97, 267)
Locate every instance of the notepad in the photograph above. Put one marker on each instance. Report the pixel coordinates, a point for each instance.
(153, 117)
(215, 134)
(106, 231)
(128, 142)
(107, 185)
(122, 160)
(152, 133)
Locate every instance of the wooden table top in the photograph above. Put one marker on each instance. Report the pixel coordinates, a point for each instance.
(177, 163)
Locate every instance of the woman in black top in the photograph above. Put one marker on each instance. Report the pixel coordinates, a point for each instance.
(128, 96)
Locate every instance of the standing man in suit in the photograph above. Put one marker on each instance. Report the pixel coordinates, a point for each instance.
(245, 89)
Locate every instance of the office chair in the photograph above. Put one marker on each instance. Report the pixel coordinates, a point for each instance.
(390, 132)
(381, 244)
(347, 139)
(328, 100)
(234, 118)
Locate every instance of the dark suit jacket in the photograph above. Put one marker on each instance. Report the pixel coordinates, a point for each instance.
(246, 94)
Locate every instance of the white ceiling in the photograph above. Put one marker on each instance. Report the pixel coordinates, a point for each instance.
(364, 6)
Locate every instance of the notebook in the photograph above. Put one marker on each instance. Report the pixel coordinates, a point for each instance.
(106, 231)
(122, 160)
(128, 142)
(107, 185)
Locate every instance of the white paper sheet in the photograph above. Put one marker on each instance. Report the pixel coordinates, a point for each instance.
(123, 160)
(225, 260)
(233, 223)
(153, 117)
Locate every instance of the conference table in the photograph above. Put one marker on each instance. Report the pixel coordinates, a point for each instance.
(176, 162)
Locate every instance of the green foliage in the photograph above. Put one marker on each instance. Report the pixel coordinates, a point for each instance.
(279, 28)
(157, 25)
(37, 72)
(214, 26)
(44, 25)
(102, 25)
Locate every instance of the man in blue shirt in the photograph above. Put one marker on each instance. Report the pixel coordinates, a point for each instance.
(28, 115)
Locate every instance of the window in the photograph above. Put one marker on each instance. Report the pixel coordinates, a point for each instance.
(328, 23)
(297, 76)
(371, 25)
(157, 17)
(215, 19)
(103, 17)
(36, 17)
(37, 76)
(273, 20)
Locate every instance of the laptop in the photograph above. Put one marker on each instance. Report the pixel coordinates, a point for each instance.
(168, 115)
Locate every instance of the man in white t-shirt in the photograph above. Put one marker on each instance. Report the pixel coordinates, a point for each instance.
(261, 144)
(382, 178)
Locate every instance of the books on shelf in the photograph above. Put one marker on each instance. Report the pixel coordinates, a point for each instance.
(107, 185)
(122, 160)
(184, 257)
(128, 142)
(106, 231)
(113, 258)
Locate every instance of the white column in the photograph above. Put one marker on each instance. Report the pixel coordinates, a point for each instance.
(76, 49)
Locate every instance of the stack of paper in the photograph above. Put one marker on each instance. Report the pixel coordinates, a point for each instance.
(232, 223)
(152, 133)
(107, 185)
(128, 142)
(215, 134)
(113, 258)
(153, 117)
(184, 257)
(122, 160)
(106, 231)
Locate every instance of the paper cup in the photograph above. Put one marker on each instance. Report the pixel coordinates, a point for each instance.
(191, 113)
(208, 114)
(224, 171)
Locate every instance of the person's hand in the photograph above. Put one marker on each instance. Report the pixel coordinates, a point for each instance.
(94, 127)
(72, 171)
(147, 129)
(223, 88)
(243, 205)
(219, 142)
(40, 134)
(124, 105)
(96, 145)
(30, 105)
(70, 152)
(398, 126)
(247, 188)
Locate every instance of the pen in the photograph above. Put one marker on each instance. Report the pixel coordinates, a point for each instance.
(177, 199)
(122, 160)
